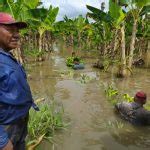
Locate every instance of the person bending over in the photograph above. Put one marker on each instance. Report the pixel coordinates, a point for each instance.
(134, 112)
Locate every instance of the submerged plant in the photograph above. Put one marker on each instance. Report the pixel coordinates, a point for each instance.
(42, 124)
(127, 98)
(85, 79)
(68, 73)
(70, 61)
(112, 94)
(110, 91)
(115, 124)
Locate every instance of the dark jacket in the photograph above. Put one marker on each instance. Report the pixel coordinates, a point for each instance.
(134, 113)
(15, 94)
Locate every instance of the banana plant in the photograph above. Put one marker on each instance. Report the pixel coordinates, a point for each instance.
(5, 6)
(103, 21)
(80, 24)
(135, 8)
(18, 8)
(43, 20)
(111, 19)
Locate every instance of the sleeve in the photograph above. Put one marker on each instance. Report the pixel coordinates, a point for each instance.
(3, 137)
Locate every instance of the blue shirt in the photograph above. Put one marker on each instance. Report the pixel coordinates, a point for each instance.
(15, 94)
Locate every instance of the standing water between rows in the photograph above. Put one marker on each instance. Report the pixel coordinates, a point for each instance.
(93, 124)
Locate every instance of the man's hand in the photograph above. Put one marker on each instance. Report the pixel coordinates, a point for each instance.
(9, 146)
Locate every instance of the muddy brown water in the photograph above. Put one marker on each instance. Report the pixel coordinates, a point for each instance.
(93, 125)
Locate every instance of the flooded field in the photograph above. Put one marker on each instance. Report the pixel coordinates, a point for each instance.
(93, 124)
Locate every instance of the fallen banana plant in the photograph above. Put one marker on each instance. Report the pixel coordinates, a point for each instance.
(44, 123)
(35, 143)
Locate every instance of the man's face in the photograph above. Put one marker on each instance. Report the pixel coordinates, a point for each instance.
(9, 37)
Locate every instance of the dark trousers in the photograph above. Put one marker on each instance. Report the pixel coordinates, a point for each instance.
(17, 133)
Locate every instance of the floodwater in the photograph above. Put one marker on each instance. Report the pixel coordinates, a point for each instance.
(93, 124)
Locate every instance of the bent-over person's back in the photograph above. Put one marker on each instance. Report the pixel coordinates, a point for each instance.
(134, 112)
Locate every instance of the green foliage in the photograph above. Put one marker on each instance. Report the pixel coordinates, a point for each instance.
(43, 19)
(110, 91)
(32, 4)
(98, 15)
(51, 16)
(45, 121)
(34, 53)
(67, 73)
(4, 7)
(145, 10)
(147, 106)
(127, 98)
(114, 125)
(140, 3)
(85, 79)
(70, 61)
(106, 64)
(114, 96)
(116, 13)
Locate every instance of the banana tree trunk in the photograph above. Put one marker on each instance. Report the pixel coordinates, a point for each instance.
(88, 42)
(43, 42)
(50, 41)
(35, 42)
(64, 38)
(46, 41)
(115, 43)
(122, 71)
(40, 43)
(123, 48)
(79, 40)
(132, 44)
(147, 55)
(104, 49)
(71, 39)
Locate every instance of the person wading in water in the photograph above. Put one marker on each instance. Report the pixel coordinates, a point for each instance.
(134, 112)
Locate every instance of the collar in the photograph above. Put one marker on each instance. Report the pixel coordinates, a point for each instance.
(4, 52)
(8, 54)
(136, 105)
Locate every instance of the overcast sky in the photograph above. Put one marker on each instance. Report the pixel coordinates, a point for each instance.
(73, 8)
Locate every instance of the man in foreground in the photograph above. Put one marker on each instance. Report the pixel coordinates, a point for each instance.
(15, 94)
(134, 112)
